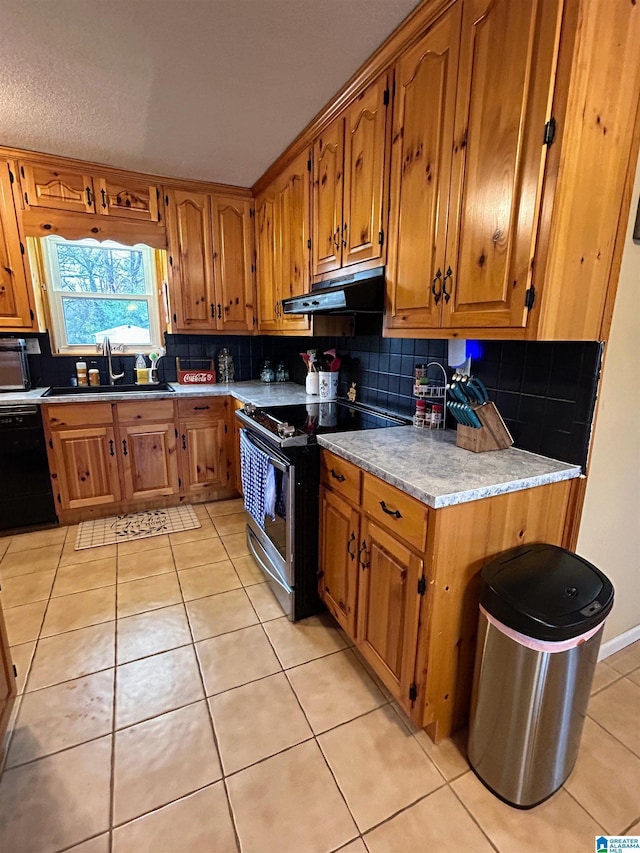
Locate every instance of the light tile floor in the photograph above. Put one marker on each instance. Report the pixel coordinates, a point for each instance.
(166, 706)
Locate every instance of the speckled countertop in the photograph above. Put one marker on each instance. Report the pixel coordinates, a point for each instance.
(429, 466)
(425, 464)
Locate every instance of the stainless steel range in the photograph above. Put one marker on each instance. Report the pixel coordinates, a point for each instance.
(283, 534)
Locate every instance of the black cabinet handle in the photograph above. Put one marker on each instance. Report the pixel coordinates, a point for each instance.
(447, 275)
(213, 311)
(339, 477)
(394, 512)
(219, 311)
(336, 240)
(344, 231)
(363, 550)
(111, 450)
(104, 197)
(201, 408)
(184, 441)
(437, 294)
(89, 198)
(352, 538)
(124, 446)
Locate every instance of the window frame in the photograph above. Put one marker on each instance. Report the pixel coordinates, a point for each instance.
(54, 296)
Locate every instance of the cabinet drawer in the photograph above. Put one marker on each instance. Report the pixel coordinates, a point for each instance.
(397, 511)
(77, 414)
(151, 411)
(341, 476)
(202, 407)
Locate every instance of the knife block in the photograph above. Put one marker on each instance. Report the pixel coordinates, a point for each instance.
(493, 435)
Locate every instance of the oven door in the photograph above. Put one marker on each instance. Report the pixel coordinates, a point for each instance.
(272, 544)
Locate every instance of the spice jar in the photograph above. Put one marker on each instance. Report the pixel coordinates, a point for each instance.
(267, 373)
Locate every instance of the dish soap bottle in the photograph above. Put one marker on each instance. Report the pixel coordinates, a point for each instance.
(142, 372)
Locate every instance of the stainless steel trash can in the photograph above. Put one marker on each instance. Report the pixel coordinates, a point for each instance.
(542, 612)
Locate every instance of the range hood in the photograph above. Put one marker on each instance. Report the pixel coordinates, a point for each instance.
(358, 293)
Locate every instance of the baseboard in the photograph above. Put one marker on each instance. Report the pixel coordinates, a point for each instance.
(620, 642)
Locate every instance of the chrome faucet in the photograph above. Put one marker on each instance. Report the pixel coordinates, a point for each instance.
(106, 350)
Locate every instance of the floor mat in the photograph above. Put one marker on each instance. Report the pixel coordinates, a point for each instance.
(135, 525)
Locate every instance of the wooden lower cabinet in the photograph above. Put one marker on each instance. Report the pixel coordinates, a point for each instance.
(113, 457)
(340, 523)
(149, 460)
(415, 585)
(86, 466)
(388, 609)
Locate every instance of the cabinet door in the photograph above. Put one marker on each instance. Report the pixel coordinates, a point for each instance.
(127, 198)
(388, 608)
(267, 249)
(149, 460)
(84, 466)
(338, 565)
(204, 454)
(233, 262)
(57, 188)
(504, 89)
(422, 142)
(328, 157)
(190, 261)
(293, 214)
(365, 176)
(15, 309)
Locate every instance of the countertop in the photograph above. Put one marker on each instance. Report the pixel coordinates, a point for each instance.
(428, 465)
(424, 463)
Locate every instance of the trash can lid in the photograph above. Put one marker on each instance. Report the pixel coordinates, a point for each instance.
(546, 592)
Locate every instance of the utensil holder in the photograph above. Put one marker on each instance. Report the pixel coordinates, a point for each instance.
(493, 435)
(328, 385)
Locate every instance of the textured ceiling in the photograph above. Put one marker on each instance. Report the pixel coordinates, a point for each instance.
(209, 89)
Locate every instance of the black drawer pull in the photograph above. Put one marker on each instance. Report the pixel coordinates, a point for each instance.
(124, 446)
(339, 477)
(111, 450)
(394, 512)
(363, 550)
(201, 408)
(184, 441)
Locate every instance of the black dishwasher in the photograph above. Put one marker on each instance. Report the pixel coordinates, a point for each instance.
(25, 488)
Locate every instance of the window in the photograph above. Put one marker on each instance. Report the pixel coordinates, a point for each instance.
(101, 289)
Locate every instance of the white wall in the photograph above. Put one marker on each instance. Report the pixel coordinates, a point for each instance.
(610, 528)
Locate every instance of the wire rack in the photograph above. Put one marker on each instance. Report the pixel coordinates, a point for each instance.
(433, 390)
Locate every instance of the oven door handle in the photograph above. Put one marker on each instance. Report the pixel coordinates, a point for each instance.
(266, 568)
(275, 459)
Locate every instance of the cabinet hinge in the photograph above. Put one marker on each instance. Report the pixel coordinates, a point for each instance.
(171, 260)
(530, 297)
(228, 478)
(226, 429)
(308, 165)
(26, 199)
(166, 200)
(32, 315)
(10, 174)
(381, 237)
(550, 131)
(51, 443)
(176, 431)
(309, 243)
(179, 483)
(413, 692)
(252, 213)
(59, 499)
(422, 585)
(253, 267)
(22, 171)
(175, 319)
(15, 671)
(385, 98)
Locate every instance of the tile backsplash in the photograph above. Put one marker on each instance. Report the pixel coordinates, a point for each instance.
(546, 392)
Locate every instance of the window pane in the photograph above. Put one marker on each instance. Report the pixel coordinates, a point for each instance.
(99, 269)
(88, 321)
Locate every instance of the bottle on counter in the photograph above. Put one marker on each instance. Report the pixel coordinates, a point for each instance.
(94, 374)
(142, 371)
(81, 373)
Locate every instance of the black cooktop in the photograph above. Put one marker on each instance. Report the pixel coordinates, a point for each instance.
(326, 417)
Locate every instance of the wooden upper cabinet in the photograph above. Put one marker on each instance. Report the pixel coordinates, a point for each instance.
(15, 306)
(328, 163)
(129, 198)
(282, 223)
(421, 152)
(233, 262)
(191, 261)
(505, 83)
(468, 154)
(349, 184)
(293, 213)
(57, 188)
(365, 175)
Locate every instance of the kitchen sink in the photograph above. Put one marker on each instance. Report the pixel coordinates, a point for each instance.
(90, 390)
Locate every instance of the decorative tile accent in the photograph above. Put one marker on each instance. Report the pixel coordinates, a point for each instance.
(135, 525)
